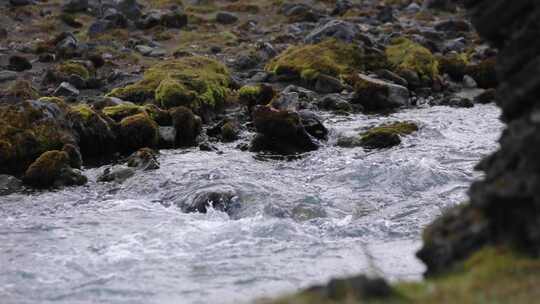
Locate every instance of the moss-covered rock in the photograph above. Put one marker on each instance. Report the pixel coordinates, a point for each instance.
(453, 65)
(123, 110)
(252, 95)
(330, 57)
(95, 134)
(280, 132)
(69, 68)
(404, 54)
(27, 129)
(138, 131)
(52, 169)
(375, 95)
(386, 136)
(197, 82)
(187, 126)
(230, 131)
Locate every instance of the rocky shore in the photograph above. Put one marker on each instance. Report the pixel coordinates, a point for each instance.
(86, 83)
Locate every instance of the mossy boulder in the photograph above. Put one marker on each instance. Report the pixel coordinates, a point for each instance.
(386, 136)
(197, 82)
(138, 131)
(280, 131)
(95, 134)
(187, 126)
(404, 54)
(52, 169)
(330, 57)
(66, 69)
(27, 129)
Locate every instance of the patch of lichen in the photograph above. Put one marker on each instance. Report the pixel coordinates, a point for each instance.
(397, 128)
(73, 68)
(404, 54)
(83, 111)
(492, 275)
(249, 92)
(194, 81)
(330, 57)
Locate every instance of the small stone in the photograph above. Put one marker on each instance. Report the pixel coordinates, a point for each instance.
(67, 90)
(19, 63)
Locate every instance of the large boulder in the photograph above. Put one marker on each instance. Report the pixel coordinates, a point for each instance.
(377, 95)
(138, 131)
(52, 169)
(280, 131)
(29, 128)
(95, 134)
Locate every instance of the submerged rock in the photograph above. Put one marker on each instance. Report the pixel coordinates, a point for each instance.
(223, 199)
(9, 184)
(144, 159)
(118, 174)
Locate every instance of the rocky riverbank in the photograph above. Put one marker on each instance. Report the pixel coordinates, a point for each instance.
(88, 83)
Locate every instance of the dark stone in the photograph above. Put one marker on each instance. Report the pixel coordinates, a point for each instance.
(19, 63)
(378, 95)
(9, 184)
(187, 126)
(359, 288)
(338, 29)
(488, 96)
(222, 198)
(144, 159)
(327, 84)
(313, 124)
(118, 174)
(65, 89)
(226, 18)
(75, 6)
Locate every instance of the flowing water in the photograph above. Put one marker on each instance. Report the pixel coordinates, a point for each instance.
(332, 213)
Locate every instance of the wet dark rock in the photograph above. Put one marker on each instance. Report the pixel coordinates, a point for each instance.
(187, 126)
(327, 84)
(226, 18)
(144, 159)
(67, 44)
(488, 96)
(334, 102)
(130, 8)
(222, 198)
(313, 124)
(52, 169)
(504, 206)
(280, 131)
(469, 82)
(19, 63)
(95, 134)
(359, 288)
(391, 76)
(338, 29)
(378, 95)
(446, 5)
(299, 12)
(74, 155)
(21, 2)
(453, 25)
(341, 7)
(386, 14)
(230, 131)
(75, 6)
(118, 174)
(9, 184)
(168, 18)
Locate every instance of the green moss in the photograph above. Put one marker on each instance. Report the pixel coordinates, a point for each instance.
(492, 275)
(122, 111)
(138, 131)
(83, 110)
(397, 128)
(73, 68)
(202, 79)
(403, 54)
(249, 92)
(330, 57)
(46, 168)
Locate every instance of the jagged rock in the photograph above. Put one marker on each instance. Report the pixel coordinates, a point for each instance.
(338, 29)
(378, 95)
(65, 89)
(223, 198)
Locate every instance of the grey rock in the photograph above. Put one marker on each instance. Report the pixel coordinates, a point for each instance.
(226, 18)
(65, 89)
(327, 84)
(469, 82)
(118, 174)
(7, 76)
(9, 184)
(380, 94)
(338, 29)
